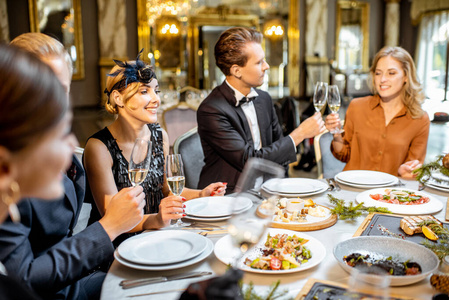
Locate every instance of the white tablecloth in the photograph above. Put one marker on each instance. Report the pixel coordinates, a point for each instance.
(328, 269)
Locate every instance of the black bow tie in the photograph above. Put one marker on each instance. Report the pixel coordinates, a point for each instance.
(246, 100)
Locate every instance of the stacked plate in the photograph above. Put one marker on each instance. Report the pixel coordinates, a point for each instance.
(163, 250)
(294, 187)
(442, 186)
(366, 179)
(216, 208)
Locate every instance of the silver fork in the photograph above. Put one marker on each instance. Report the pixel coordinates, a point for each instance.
(330, 184)
(337, 186)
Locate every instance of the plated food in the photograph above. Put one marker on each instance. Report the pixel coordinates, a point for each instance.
(281, 252)
(381, 265)
(400, 197)
(302, 215)
(401, 201)
(385, 247)
(226, 251)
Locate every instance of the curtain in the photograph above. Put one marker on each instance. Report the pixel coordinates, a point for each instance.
(431, 55)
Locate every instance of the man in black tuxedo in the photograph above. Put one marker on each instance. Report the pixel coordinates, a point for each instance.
(237, 121)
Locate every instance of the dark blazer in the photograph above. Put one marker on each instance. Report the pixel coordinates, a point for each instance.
(41, 250)
(226, 136)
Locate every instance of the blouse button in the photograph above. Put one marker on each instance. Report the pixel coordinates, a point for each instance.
(384, 136)
(380, 152)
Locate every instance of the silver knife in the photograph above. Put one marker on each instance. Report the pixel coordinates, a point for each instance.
(127, 284)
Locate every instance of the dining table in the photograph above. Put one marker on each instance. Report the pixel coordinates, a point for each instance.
(292, 283)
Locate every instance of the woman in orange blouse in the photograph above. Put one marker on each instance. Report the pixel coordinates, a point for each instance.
(388, 131)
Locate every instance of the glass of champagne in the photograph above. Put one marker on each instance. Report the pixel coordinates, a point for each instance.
(246, 229)
(175, 178)
(140, 160)
(320, 96)
(334, 103)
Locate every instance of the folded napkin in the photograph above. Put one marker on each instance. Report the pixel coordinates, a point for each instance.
(221, 288)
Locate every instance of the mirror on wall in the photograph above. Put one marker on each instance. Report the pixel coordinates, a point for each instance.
(352, 36)
(179, 38)
(61, 19)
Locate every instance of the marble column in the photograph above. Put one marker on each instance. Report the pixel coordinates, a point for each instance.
(392, 13)
(4, 27)
(316, 28)
(112, 35)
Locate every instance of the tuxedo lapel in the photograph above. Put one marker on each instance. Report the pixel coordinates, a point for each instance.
(228, 94)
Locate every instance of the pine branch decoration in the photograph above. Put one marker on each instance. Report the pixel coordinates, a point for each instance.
(441, 164)
(351, 211)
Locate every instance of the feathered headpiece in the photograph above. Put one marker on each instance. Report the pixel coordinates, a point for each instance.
(138, 72)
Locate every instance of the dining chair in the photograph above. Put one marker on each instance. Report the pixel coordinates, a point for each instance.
(327, 165)
(177, 120)
(189, 146)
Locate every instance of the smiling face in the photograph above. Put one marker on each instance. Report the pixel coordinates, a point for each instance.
(389, 78)
(252, 74)
(144, 103)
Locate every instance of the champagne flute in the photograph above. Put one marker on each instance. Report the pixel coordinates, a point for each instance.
(320, 96)
(175, 178)
(334, 103)
(140, 160)
(246, 229)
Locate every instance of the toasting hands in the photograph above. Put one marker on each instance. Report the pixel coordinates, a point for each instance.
(308, 129)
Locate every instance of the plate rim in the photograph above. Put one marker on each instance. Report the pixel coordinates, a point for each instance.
(366, 186)
(322, 253)
(186, 236)
(293, 179)
(393, 178)
(422, 209)
(246, 207)
(207, 251)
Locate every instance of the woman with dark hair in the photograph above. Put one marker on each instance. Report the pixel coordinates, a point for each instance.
(386, 132)
(36, 145)
(133, 95)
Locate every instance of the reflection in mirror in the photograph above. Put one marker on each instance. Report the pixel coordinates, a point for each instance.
(352, 36)
(200, 24)
(61, 20)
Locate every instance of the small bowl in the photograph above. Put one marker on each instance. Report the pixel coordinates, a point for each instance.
(294, 205)
(400, 250)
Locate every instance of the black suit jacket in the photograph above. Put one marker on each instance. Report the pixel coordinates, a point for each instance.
(226, 136)
(41, 250)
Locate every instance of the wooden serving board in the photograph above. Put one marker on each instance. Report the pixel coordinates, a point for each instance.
(331, 220)
(314, 288)
(378, 224)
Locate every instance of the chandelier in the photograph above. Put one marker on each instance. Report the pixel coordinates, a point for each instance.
(177, 8)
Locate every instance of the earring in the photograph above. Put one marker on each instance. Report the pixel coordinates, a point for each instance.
(9, 198)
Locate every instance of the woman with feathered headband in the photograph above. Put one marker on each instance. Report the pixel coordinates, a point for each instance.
(133, 95)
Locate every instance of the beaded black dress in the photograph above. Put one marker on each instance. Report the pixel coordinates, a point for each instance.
(152, 185)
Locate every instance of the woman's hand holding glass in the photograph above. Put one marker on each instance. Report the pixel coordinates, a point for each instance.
(333, 124)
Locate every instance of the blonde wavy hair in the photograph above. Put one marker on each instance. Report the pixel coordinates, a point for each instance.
(412, 92)
(127, 92)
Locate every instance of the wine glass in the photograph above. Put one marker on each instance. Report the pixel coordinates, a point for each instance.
(334, 103)
(140, 160)
(320, 95)
(376, 284)
(246, 229)
(175, 178)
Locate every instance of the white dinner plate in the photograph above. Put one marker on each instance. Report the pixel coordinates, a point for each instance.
(362, 186)
(433, 206)
(162, 247)
(438, 186)
(366, 178)
(294, 186)
(207, 251)
(207, 219)
(225, 251)
(215, 207)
